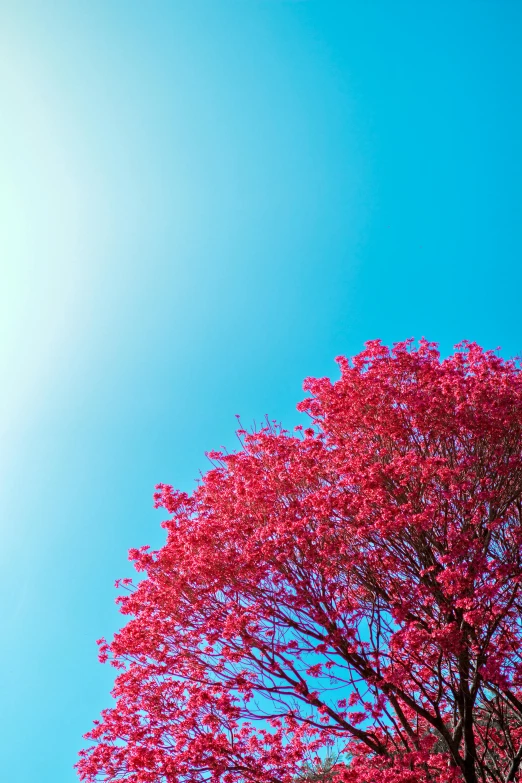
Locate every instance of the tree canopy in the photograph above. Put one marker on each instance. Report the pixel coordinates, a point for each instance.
(353, 586)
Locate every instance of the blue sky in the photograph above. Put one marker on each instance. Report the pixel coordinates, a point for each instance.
(201, 203)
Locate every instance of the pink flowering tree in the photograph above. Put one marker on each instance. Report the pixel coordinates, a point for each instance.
(350, 590)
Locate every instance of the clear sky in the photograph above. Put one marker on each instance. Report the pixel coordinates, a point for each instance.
(201, 204)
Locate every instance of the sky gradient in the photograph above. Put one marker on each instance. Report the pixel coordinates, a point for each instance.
(201, 203)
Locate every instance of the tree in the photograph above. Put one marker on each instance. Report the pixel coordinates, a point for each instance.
(325, 771)
(355, 585)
